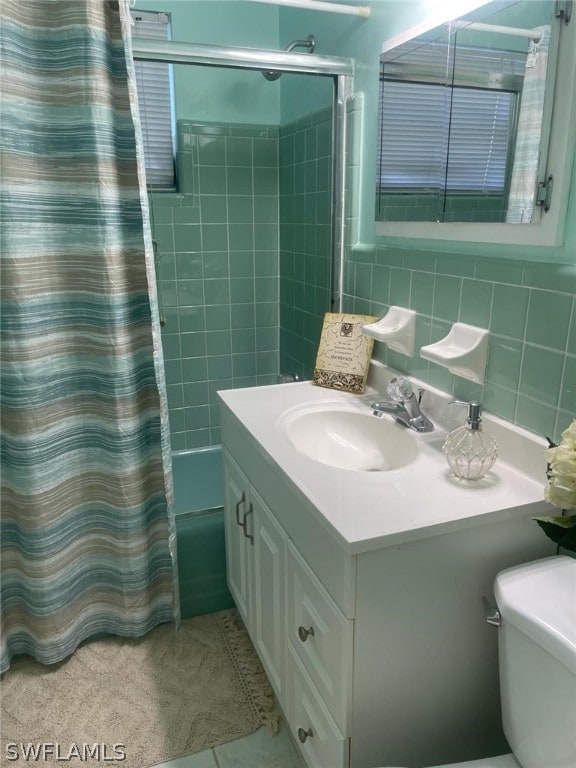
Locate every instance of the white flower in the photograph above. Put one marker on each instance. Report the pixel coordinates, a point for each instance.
(569, 436)
(561, 491)
(560, 494)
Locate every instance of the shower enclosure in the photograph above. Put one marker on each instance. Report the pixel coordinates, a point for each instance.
(251, 244)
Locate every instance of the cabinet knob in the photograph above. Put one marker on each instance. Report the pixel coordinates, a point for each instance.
(304, 633)
(303, 735)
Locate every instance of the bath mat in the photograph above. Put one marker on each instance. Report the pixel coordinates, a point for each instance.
(137, 703)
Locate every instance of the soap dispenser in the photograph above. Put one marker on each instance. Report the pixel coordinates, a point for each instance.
(469, 450)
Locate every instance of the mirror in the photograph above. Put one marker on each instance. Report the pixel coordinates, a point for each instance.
(464, 118)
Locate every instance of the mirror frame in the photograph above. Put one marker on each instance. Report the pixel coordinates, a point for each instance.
(547, 229)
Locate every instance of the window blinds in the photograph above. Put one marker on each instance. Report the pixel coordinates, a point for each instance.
(433, 137)
(153, 82)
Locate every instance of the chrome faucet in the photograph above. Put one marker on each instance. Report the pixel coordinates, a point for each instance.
(404, 406)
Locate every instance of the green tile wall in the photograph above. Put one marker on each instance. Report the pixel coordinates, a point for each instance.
(218, 272)
(305, 158)
(528, 308)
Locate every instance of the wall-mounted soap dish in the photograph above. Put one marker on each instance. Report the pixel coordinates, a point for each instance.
(464, 352)
(397, 329)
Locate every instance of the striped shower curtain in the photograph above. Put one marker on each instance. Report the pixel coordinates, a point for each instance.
(88, 540)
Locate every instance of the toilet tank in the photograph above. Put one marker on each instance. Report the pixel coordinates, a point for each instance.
(537, 656)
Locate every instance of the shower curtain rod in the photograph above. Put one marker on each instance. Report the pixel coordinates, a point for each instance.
(319, 5)
(532, 34)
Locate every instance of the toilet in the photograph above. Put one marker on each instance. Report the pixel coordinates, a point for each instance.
(537, 661)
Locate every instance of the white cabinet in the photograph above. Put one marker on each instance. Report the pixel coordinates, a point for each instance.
(319, 738)
(269, 610)
(302, 638)
(256, 562)
(238, 555)
(378, 658)
(321, 637)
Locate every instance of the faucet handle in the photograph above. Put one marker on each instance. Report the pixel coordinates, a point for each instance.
(399, 389)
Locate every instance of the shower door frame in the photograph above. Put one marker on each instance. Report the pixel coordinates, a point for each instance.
(341, 70)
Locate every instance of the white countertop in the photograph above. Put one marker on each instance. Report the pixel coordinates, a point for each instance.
(366, 510)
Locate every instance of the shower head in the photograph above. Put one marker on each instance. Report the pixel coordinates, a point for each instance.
(309, 43)
(271, 74)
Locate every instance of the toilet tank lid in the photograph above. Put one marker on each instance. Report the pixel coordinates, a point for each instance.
(539, 598)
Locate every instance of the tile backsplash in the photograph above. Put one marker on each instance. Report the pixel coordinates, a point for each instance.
(528, 308)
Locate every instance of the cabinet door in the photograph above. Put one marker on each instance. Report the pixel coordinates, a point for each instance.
(238, 555)
(269, 593)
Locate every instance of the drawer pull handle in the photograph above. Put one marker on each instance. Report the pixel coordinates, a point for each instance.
(243, 524)
(304, 633)
(303, 735)
(239, 503)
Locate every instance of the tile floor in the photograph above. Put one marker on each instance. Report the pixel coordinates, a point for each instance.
(259, 750)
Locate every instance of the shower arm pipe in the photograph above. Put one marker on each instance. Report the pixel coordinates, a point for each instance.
(239, 58)
(318, 5)
(531, 34)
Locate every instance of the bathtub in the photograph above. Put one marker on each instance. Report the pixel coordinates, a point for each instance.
(198, 506)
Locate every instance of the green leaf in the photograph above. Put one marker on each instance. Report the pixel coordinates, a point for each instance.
(562, 530)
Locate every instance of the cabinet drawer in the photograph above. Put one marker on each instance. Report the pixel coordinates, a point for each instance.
(321, 637)
(314, 729)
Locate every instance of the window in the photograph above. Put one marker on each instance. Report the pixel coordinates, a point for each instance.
(417, 119)
(154, 86)
(447, 133)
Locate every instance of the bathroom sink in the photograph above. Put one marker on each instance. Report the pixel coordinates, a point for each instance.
(346, 438)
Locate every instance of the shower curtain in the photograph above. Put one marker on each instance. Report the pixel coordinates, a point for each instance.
(88, 542)
(529, 131)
